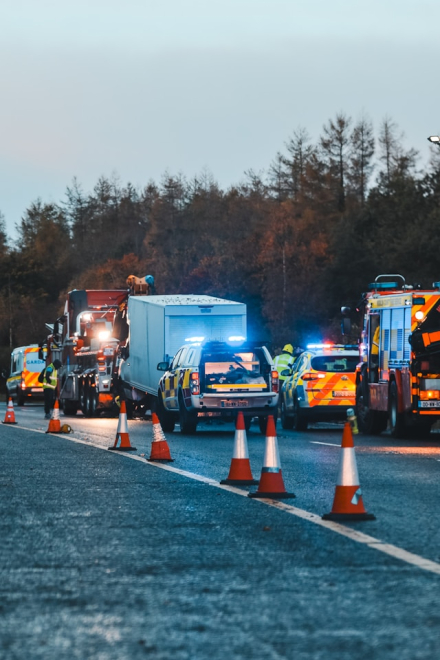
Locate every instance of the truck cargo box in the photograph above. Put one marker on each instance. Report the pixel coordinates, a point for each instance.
(159, 325)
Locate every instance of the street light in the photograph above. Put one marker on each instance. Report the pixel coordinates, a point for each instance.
(435, 139)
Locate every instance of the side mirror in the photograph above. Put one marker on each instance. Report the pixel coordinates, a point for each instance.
(5, 374)
(286, 372)
(163, 366)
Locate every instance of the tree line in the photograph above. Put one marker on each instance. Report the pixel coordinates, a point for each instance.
(294, 242)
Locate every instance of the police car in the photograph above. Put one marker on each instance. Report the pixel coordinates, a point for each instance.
(217, 379)
(321, 386)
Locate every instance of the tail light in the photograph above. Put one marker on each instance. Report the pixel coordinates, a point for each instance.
(429, 394)
(23, 384)
(312, 376)
(194, 383)
(275, 381)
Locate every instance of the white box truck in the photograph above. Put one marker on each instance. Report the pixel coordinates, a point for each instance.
(160, 325)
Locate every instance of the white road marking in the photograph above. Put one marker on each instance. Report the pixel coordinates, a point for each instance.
(329, 444)
(359, 537)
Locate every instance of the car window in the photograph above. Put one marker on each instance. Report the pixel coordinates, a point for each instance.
(233, 367)
(300, 364)
(335, 363)
(176, 360)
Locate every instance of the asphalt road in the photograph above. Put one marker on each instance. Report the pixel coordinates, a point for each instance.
(107, 556)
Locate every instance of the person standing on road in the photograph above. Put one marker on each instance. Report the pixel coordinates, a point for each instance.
(50, 384)
(283, 361)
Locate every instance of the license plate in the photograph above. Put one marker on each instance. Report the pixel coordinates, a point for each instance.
(36, 389)
(234, 404)
(346, 394)
(429, 404)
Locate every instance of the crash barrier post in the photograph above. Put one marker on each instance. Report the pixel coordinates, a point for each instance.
(10, 415)
(240, 473)
(122, 440)
(160, 450)
(271, 480)
(348, 503)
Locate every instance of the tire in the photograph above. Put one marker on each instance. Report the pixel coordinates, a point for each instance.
(188, 420)
(299, 421)
(70, 407)
(262, 423)
(247, 423)
(397, 420)
(370, 422)
(92, 401)
(286, 420)
(167, 420)
(83, 398)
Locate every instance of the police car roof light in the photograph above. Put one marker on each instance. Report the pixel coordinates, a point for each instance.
(237, 338)
(436, 285)
(194, 339)
(320, 346)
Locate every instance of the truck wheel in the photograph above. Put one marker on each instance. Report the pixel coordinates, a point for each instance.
(299, 421)
(188, 420)
(167, 420)
(397, 420)
(247, 423)
(370, 422)
(92, 401)
(83, 398)
(70, 407)
(286, 421)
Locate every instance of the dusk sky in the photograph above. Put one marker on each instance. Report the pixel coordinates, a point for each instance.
(137, 88)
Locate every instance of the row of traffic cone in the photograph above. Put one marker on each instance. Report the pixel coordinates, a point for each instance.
(347, 504)
(160, 450)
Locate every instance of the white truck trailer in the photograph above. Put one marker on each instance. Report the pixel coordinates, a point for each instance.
(160, 325)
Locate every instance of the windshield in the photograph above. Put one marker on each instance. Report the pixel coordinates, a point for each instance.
(337, 363)
(232, 367)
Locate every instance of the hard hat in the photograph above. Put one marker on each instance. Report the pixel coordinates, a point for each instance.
(288, 348)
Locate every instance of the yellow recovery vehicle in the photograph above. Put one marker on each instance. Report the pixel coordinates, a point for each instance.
(398, 378)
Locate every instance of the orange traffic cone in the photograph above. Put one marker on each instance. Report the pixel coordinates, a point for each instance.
(159, 447)
(10, 415)
(54, 422)
(240, 472)
(348, 504)
(122, 432)
(271, 480)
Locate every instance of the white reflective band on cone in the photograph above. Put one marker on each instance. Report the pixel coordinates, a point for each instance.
(240, 445)
(348, 474)
(271, 453)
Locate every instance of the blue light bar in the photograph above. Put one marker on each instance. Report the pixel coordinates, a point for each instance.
(383, 286)
(191, 339)
(320, 346)
(236, 338)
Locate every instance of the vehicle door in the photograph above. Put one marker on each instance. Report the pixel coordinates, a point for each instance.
(292, 380)
(172, 380)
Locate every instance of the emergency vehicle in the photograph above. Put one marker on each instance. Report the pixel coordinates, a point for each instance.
(398, 381)
(217, 379)
(26, 365)
(320, 387)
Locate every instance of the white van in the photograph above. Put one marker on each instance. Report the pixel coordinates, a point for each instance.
(26, 365)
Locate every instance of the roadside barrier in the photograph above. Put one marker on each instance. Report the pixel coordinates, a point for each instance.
(348, 503)
(122, 440)
(160, 450)
(271, 480)
(54, 422)
(240, 473)
(10, 415)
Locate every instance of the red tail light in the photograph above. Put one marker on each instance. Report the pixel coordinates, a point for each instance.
(194, 383)
(275, 381)
(312, 376)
